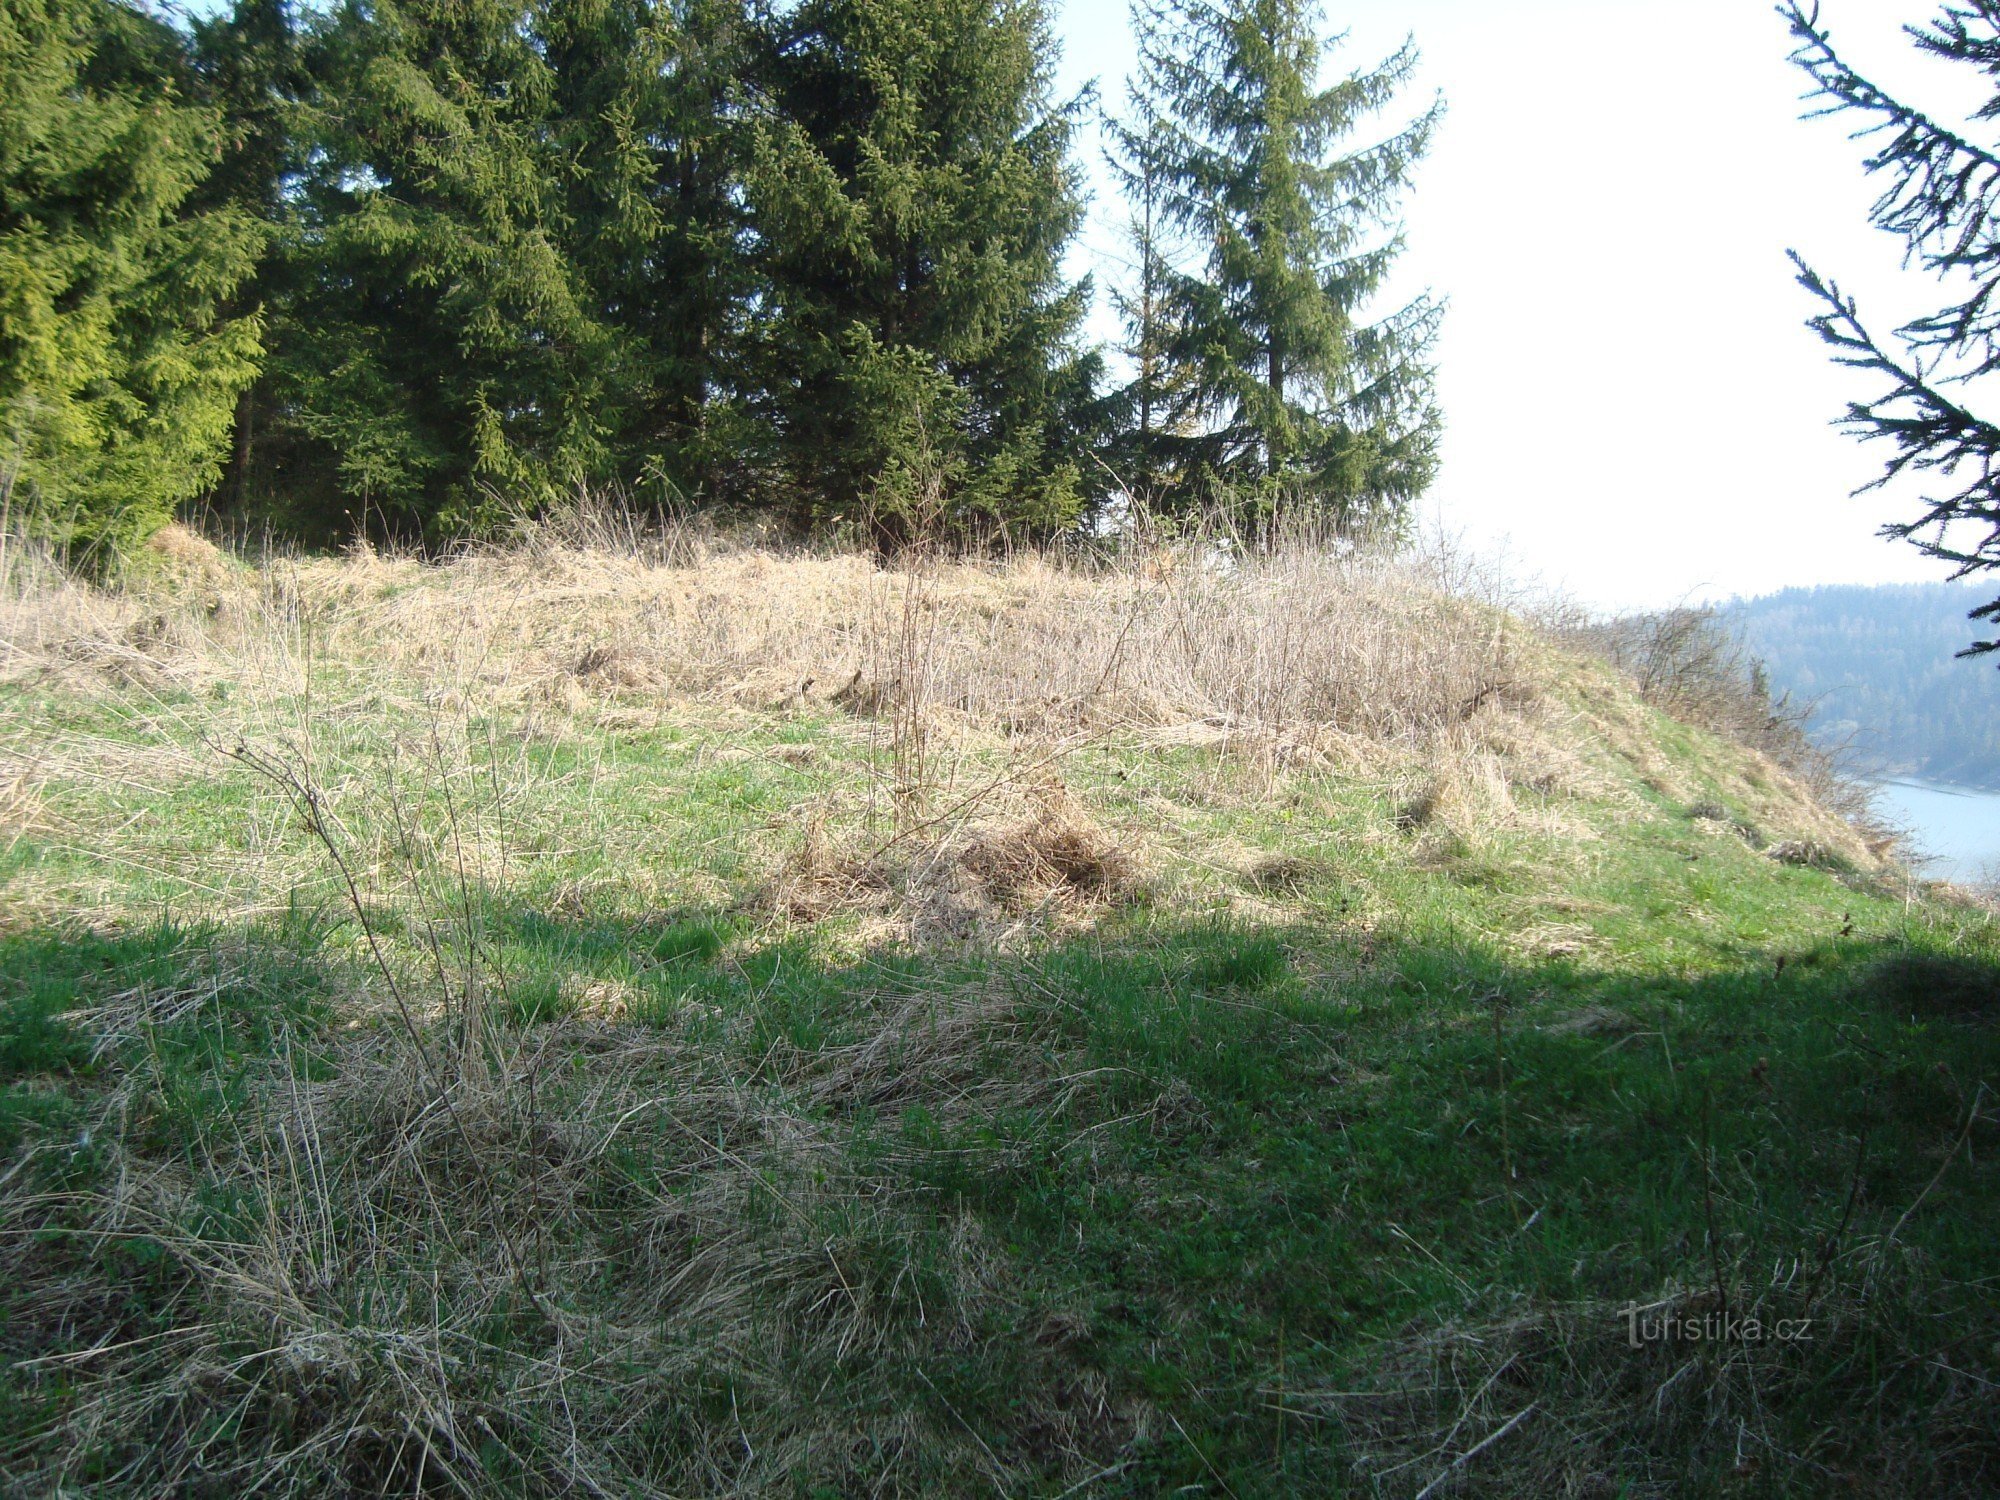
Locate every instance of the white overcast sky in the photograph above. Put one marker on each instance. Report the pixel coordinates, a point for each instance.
(1635, 412)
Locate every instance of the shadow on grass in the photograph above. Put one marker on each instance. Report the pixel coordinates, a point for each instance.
(1171, 1207)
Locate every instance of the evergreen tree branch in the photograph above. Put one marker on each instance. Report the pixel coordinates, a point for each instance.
(1944, 187)
(1930, 433)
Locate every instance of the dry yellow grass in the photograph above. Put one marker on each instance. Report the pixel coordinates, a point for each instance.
(1278, 643)
(1300, 660)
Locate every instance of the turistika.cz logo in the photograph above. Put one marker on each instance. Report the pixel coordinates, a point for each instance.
(1660, 1325)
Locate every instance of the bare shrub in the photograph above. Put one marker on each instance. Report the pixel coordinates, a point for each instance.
(1686, 662)
(913, 648)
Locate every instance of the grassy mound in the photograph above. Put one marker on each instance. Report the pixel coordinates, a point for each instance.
(565, 1022)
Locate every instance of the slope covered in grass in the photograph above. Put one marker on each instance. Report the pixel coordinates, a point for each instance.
(572, 1022)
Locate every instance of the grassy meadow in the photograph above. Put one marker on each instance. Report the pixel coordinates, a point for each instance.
(671, 1020)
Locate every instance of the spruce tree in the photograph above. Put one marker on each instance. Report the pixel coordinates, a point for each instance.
(648, 102)
(248, 68)
(911, 196)
(1154, 401)
(1297, 401)
(440, 363)
(119, 367)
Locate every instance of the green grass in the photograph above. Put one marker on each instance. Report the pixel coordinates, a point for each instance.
(1300, 1184)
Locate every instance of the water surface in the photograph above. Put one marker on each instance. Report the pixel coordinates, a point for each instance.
(1958, 828)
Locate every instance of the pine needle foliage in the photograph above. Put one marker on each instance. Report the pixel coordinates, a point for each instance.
(426, 268)
(649, 104)
(441, 359)
(1943, 201)
(911, 197)
(1155, 406)
(119, 366)
(1297, 400)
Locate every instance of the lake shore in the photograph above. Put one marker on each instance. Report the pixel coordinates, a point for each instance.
(1955, 828)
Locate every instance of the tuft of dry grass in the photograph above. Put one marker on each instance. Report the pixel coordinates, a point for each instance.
(1054, 845)
(415, 1256)
(1010, 854)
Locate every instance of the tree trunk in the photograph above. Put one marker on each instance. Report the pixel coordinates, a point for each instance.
(246, 410)
(1273, 459)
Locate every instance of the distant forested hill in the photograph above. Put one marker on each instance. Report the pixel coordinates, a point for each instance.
(1881, 664)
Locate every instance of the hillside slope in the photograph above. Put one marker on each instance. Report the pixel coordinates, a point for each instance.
(566, 1022)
